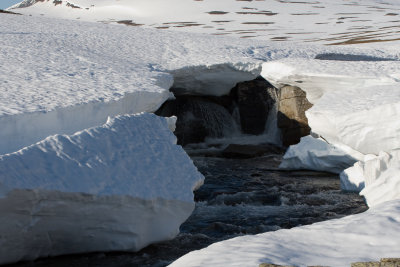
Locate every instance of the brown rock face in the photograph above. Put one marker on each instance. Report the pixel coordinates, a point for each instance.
(291, 115)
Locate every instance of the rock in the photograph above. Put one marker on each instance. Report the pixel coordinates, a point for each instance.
(366, 264)
(254, 99)
(199, 117)
(291, 115)
(390, 262)
(249, 151)
(273, 265)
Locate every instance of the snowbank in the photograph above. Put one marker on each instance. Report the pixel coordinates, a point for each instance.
(363, 237)
(377, 177)
(318, 77)
(120, 186)
(316, 154)
(63, 76)
(356, 110)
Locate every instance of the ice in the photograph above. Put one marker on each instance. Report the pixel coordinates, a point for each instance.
(363, 237)
(95, 190)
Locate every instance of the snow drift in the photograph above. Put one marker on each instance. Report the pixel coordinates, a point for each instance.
(376, 177)
(120, 186)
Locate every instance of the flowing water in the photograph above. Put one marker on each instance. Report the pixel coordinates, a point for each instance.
(239, 197)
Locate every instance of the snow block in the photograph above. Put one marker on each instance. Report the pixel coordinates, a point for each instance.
(316, 154)
(377, 177)
(116, 187)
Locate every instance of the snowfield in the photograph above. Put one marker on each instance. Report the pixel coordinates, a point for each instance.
(323, 21)
(69, 147)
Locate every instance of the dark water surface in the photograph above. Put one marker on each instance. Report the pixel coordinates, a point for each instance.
(239, 197)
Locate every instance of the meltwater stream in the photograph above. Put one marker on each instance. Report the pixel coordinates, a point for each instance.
(239, 197)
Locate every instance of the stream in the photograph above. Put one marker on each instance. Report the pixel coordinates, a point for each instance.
(239, 197)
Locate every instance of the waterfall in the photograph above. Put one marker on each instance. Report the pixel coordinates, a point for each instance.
(272, 132)
(217, 120)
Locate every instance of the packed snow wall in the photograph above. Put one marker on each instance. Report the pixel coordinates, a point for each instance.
(22, 130)
(95, 190)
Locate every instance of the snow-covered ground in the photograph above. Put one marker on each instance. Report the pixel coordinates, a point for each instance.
(322, 21)
(63, 76)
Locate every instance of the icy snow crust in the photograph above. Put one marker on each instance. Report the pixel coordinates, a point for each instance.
(120, 186)
(363, 237)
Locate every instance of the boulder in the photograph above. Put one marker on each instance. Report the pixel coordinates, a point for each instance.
(291, 114)
(254, 100)
(200, 117)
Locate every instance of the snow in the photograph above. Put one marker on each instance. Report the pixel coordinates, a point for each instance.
(63, 76)
(316, 154)
(318, 77)
(369, 236)
(356, 106)
(104, 176)
(67, 76)
(215, 80)
(376, 177)
(323, 21)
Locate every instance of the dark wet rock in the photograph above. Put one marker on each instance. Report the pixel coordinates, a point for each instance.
(291, 115)
(254, 100)
(249, 151)
(199, 117)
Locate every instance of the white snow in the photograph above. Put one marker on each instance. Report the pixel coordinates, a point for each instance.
(216, 80)
(323, 21)
(62, 76)
(318, 77)
(120, 186)
(369, 236)
(316, 154)
(356, 109)
(377, 177)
